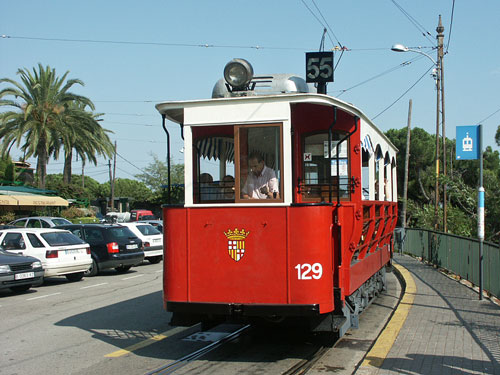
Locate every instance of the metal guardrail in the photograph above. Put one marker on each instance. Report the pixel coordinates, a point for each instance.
(459, 255)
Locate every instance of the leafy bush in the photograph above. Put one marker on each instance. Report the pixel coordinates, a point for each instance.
(84, 220)
(6, 216)
(72, 212)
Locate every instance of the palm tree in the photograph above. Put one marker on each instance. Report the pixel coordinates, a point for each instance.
(43, 104)
(84, 135)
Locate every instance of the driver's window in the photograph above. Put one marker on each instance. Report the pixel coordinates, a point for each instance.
(259, 163)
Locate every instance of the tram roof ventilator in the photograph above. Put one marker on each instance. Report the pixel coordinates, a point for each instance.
(239, 81)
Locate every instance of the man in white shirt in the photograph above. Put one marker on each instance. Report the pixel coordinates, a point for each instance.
(261, 181)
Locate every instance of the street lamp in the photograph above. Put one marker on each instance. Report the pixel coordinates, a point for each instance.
(402, 48)
(439, 88)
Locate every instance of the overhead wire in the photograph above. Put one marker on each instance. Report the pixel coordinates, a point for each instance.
(168, 45)
(412, 86)
(414, 22)
(451, 25)
(390, 70)
(148, 43)
(133, 165)
(488, 117)
(328, 26)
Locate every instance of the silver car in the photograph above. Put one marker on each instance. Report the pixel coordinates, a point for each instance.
(40, 222)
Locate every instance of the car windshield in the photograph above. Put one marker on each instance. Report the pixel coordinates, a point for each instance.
(61, 221)
(121, 232)
(61, 238)
(148, 230)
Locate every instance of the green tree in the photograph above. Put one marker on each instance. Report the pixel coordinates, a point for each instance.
(42, 104)
(125, 187)
(83, 134)
(421, 169)
(156, 178)
(91, 191)
(6, 169)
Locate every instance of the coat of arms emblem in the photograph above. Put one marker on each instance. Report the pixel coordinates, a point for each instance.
(236, 243)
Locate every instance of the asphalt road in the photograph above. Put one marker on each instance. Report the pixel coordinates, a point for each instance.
(63, 327)
(115, 324)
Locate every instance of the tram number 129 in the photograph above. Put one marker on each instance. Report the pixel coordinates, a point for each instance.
(307, 271)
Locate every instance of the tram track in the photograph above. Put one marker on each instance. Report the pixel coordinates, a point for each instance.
(299, 368)
(170, 368)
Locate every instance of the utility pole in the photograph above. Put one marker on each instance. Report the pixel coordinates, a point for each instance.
(407, 161)
(112, 180)
(440, 52)
(440, 36)
(111, 188)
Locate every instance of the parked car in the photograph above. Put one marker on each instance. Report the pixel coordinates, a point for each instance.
(158, 224)
(136, 215)
(6, 226)
(18, 272)
(152, 240)
(117, 217)
(40, 222)
(60, 251)
(111, 246)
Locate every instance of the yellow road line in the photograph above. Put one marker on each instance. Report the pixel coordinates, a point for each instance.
(383, 345)
(145, 343)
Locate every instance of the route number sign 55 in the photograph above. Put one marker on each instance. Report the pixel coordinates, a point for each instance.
(319, 67)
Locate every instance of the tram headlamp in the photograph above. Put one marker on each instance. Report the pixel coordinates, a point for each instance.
(238, 73)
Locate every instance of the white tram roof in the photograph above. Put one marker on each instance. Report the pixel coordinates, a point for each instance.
(176, 111)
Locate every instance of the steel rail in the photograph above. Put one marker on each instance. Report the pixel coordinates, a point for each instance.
(181, 362)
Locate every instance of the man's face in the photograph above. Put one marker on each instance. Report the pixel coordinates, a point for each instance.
(255, 166)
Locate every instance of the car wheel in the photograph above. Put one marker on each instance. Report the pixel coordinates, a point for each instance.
(93, 270)
(154, 260)
(75, 276)
(122, 269)
(20, 288)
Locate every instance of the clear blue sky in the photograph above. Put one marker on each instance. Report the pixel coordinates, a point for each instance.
(161, 59)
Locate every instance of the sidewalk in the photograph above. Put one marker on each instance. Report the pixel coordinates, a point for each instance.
(447, 329)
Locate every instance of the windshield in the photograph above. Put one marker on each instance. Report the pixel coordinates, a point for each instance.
(148, 230)
(121, 232)
(61, 221)
(61, 238)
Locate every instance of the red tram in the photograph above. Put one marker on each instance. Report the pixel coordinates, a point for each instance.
(290, 205)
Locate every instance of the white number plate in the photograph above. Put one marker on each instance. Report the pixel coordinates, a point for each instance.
(157, 240)
(308, 272)
(73, 251)
(24, 275)
(134, 246)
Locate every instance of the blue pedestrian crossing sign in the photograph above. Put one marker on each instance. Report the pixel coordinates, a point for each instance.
(467, 146)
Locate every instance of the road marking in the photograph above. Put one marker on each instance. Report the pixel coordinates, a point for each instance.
(385, 341)
(93, 286)
(133, 277)
(45, 296)
(146, 342)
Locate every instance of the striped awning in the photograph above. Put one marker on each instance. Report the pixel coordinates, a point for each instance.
(32, 200)
(8, 200)
(216, 148)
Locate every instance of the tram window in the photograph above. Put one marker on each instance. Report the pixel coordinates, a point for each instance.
(259, 163)
(365, 174)
(214, 170)
(377, 173)
(318, 169)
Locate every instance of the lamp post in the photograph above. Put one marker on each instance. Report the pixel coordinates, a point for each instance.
(439, 115)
